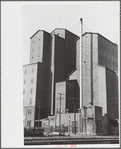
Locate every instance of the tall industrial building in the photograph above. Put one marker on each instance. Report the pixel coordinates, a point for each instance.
(99, 88)
(64, 46)
(51, 87)
(36, 79)
(49, 60)
(99, 80)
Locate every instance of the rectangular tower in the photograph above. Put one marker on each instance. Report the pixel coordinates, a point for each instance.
(57, 65)
(40, 63)
(100, 59)
(70, 42)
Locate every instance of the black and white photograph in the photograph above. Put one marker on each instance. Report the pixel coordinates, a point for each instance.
(60, 74)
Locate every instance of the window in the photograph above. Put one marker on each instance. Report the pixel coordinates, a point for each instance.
(25, 81)
(32, 49)
(29, 111)
(24, 91)
(31, 91)
(32, 80)
(39, 39)
(30, 101)
(29, 123)
(33, 41)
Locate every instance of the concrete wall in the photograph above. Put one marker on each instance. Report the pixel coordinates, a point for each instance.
(36, 48)
(112, 95)
(102, 92)
(40, 51)
(42, 103)
(29, 114)
(108, 53)
(59, 59)
(72, 95)
(70, 51)
(29, 92)
(29, 82)
(57, 65)
(76, 73)
(70, 40)
(86, 79)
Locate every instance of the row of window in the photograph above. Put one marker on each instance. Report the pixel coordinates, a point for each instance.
(31, 91)
(25, 72)
(30, 101)
(38, 56)
(29, 111)
(33, 49)
(34, 40)
(31, 81)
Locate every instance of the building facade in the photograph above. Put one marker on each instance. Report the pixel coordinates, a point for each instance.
(40, 62)
(29, 93)
(99, 64)
(99, 88)
(51, 86)
(63, 60)
(50, 53)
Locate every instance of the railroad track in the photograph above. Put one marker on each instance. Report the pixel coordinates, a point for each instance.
(45, 141)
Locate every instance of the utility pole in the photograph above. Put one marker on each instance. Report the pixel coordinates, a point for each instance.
(69, 125)
(69, 122)
(91, 68)
(81, 64)
(60, 112)
(80, 119)
(74, 98)
(74, 118)
(55, 120)
(91, 73)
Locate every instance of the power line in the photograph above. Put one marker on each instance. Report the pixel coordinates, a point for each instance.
(86, 27)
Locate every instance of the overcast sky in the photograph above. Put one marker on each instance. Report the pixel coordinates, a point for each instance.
(100, 17)
(19, 21)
